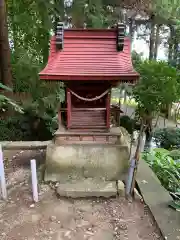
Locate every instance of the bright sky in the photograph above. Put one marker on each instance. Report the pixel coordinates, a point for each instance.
(140, 46)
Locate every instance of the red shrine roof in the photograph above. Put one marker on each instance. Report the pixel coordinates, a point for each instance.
(89, 54)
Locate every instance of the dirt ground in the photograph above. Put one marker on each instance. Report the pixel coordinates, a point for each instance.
(58, 218)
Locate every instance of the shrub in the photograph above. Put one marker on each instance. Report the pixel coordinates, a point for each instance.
(166, 169)
(12, 129)
(129, 124)
(175, 154)
(168, 138)
(32, 125)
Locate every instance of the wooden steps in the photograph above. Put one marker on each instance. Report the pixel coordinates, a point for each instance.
(88, 119)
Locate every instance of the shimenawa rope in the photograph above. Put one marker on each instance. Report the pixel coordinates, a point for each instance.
(90, 99)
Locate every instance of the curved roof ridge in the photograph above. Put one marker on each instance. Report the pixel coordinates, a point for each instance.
(89, 55)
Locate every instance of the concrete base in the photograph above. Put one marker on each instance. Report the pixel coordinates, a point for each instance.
(87, 188)
(157, 199)
(78, 162)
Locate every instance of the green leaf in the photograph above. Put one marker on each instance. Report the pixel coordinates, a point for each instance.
(5, 87)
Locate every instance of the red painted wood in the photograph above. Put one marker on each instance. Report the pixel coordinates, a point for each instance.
(59, 118)
(88, 119)
(68, 109)
(108, 114)
(120, 78)
(84, 114)
(88, 109)
(90, 55)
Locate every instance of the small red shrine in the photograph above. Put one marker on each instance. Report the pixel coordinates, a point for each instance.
(89, 62)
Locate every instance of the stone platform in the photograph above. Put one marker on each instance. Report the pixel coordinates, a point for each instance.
(87, 188)
(78, 162)
(90, 188)
(73, 158)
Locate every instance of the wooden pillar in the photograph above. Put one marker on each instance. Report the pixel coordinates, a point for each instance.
(69, 108)
(108, 114)
(59, 118)
(60, 124)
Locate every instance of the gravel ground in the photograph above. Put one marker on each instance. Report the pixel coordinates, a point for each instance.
(60, 219)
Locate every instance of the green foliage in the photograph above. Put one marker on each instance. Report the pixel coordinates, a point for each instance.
(175, 154)
(11, 129)
(166, 169)
(2, 86)
(25, 73)
(29, 126)
(29, 27)
(39, 119)
(5, 101)
(136, 59)
(167, 8)
(129, 124)
(168, 138)
(159, 85)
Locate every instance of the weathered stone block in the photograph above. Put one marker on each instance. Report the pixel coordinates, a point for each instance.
(121, 188)
(81, 161)
(87, 188)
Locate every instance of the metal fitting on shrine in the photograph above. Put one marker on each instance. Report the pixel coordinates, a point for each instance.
(60, 36)
(120, 36)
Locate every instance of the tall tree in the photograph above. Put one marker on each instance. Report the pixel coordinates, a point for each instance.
(152, 38)
(5, 66)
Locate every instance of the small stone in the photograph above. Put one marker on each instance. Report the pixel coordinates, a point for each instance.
(82, 223)
(123, 226)
(121, 188)
(89, 229)
(67, 234)
(144, 182)
(89, 233)
(32, 206)
(114, 211)
(3, 234)
(137, 195)
(57, 184)
(53, 218)
(59, 222)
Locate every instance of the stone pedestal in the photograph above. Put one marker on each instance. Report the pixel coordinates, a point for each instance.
(72, 162)
(81, 161)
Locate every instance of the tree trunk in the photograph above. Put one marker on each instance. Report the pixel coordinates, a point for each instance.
(58, 13)
(170, 41)
(152, 40)
(45, 43)
(156, 42)
(78, 16)
(176, 48)
(6, 76)
(131, 30)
